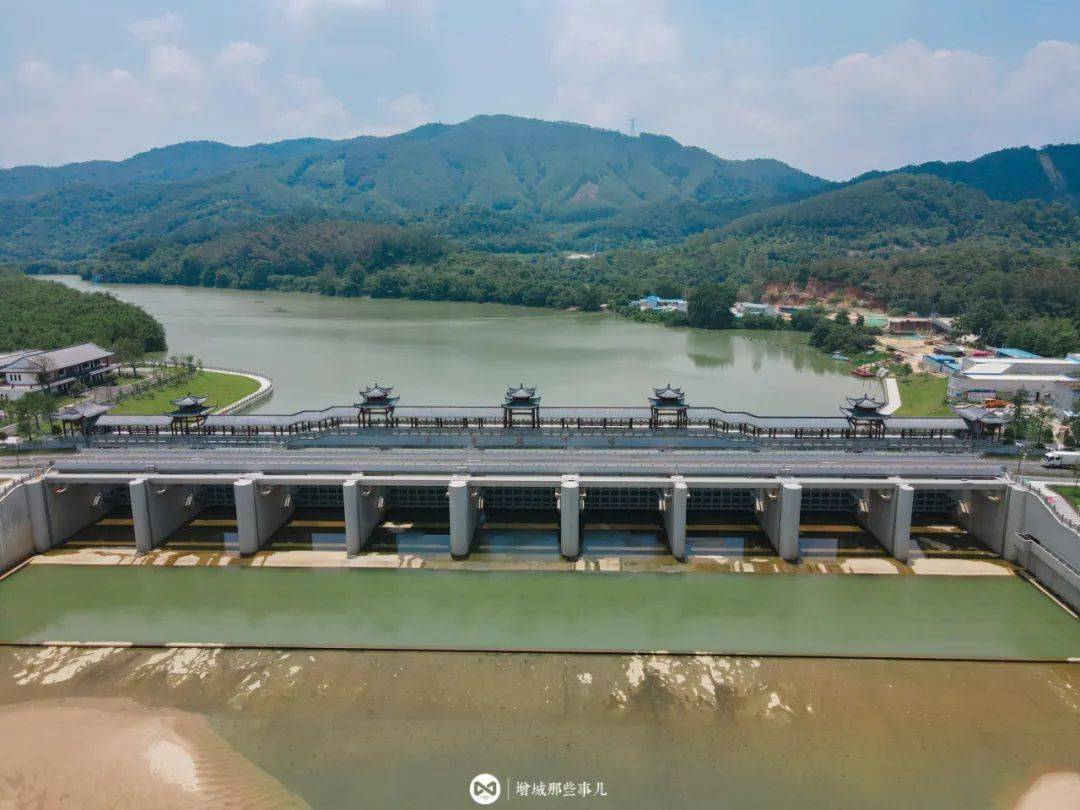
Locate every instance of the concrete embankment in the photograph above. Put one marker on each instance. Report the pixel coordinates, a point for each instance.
(16, 530)
(1046, 546)
(265, 391)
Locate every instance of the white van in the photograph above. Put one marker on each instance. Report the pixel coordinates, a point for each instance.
(1061, 458)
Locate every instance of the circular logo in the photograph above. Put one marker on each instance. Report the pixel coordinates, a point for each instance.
(484, 788)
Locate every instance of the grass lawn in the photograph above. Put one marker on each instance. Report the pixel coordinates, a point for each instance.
(222, 390)
(922, 395)
(1070, 493)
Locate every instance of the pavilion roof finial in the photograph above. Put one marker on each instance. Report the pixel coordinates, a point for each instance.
(668, 393)
(863, 407)
(377, 393)
(521, 393)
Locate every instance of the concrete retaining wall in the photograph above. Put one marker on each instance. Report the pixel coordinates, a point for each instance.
(1054, 556)
(16, 531)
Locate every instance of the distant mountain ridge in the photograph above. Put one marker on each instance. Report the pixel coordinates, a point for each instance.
(1051, 174)
(498, 183)
(909, 212)
(548, 180)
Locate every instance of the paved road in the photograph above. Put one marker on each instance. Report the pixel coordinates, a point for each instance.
(595, 462)
(9, 465)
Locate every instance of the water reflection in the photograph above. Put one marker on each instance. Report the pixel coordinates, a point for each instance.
(318, 350)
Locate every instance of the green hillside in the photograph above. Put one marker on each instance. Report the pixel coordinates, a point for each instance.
(909, 212)
(1048, 174)
(553, 185)
(38, 314)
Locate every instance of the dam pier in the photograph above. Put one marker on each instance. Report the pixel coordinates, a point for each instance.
(166, 490)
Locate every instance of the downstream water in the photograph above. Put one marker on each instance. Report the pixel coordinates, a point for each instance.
(320, 350)
(997, 617)
(217, 728)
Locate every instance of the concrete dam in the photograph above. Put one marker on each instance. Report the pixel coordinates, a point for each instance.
(518, 480)
(167, 489)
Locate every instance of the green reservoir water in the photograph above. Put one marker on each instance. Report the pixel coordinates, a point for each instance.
(320, 350)
(745, 614)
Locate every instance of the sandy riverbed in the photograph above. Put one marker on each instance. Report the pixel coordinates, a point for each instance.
(255, 728)
(99, 752)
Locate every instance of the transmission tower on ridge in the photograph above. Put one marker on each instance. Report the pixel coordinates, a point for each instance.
(633, 127)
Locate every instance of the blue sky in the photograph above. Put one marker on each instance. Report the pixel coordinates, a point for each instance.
(831, 87)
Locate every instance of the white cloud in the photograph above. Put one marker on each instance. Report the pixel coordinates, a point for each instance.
(152, 29)
(54, 116)
(172, 63)
(34, 74)
(399, 114)
(300, 8)
(906, 104)
(241, 62)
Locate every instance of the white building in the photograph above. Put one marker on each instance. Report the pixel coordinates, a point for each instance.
(1044, 379)
(1066, 398)
(1027, 365)
(742, 308)
(655, 302)
(30, 370)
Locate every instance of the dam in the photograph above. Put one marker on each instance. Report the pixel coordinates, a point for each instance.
(260, 491)
(516, 483)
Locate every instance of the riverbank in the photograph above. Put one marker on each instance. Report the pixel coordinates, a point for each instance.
(221, 388)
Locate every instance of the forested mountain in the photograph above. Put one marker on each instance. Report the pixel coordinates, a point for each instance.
(181, 161)
(549, 184)
(908, 212)
(1048, 174)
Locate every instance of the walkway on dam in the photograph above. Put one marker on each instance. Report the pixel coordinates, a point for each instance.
(991, 617)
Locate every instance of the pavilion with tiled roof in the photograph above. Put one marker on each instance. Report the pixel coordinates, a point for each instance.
(376, 400)
(79, 417)
(667, 407)
(521, 400)
(188, 411)
(865, 412)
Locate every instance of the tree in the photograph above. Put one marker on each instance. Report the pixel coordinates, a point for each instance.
(129, 352)
(1041, 421)
(591, 298)
(1020, 418)
(44, 368)
(24, 423)
(806, 318)
(709, 306)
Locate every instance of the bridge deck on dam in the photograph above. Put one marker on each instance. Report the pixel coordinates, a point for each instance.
(998, 617)
(550, 462)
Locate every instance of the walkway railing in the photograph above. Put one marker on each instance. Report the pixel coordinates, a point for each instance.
(1066, 519)
(266, 389)
(8, 486)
